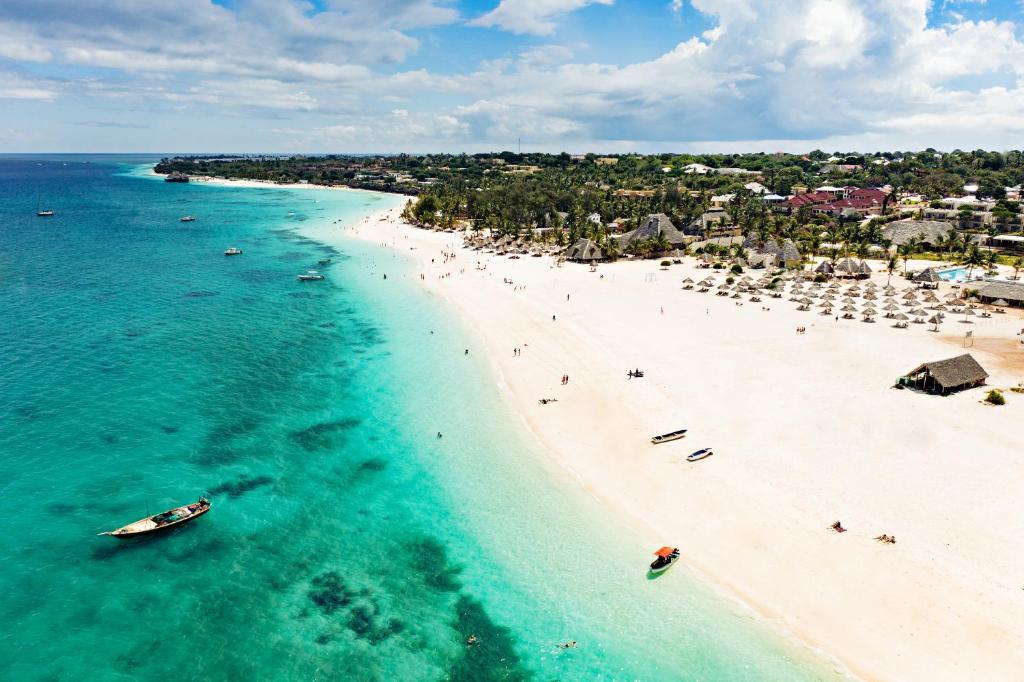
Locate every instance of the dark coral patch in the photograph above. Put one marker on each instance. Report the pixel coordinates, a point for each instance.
(321, 436)
(241, 486)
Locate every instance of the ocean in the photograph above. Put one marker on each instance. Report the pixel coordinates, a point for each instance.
(141, 369)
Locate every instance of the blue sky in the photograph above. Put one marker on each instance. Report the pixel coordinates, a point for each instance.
(476, 75)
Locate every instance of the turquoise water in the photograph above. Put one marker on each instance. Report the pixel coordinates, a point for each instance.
(142, 369)
(952, 274)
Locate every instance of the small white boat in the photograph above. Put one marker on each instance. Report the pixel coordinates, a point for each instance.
(233, 251)
(666, 437)
(187, 218)
(664, 558)
(700, 454)
(311, 276)
(45, 213)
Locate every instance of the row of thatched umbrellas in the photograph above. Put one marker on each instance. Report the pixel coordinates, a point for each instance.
(828, 297)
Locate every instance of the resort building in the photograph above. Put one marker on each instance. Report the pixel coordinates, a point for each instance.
(929, 233)
(650, 228)
(584, 250)
(852, 269)
(1009, 293)
(946, 376)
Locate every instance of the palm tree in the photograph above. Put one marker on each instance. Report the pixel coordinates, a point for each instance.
(1017, 264)
(660, 243)
(974, 258)
(907, 251)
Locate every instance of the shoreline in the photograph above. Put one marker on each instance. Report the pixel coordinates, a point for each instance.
(270, 184)
(882, 612)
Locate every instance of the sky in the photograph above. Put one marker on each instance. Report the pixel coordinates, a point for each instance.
(487, 75)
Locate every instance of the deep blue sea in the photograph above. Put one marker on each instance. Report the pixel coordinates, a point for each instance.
(140, 368)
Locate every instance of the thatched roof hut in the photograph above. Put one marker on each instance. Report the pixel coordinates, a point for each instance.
(1012, 293)
(945, 376)
(928, 276)
(651, 227)
(851, 268)
(584, 250)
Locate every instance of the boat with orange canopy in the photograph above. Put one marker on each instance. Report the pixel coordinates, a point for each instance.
(664, 558)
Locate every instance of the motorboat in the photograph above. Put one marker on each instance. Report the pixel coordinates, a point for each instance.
(663, 559)
(666, 437)
(311, 276)
(699, 455)
(233, 251)
(163, 520)
(324, 261)
(187, 218)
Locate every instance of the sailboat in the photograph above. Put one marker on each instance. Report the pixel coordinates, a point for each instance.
(43, 212)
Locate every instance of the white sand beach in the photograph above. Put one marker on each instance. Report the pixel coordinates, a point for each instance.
(807, 430)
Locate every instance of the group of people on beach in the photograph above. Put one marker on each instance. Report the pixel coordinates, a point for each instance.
(886, 539)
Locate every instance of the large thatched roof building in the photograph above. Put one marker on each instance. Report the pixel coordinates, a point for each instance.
(946, 376)
(651, 227)
(584, 250)
(1011, 292)
(928, 232)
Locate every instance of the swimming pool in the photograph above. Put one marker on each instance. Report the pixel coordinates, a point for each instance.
(953, 274)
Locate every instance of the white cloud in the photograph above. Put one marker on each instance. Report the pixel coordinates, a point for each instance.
(786, 74)
(13, 86)
(532, 16)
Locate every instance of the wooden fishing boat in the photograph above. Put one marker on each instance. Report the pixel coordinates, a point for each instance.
(310, 276)
(699, 454)
(664, 558)
(187, 219)
(666, 437)
(163, 520)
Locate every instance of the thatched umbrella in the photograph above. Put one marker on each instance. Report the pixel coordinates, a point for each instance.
(999, 303)
(849, 309)
(848, 300)
(968, 312)
(910, 296)
(825, 304)
(870, 297)
(901, 317)
(919, 312)
(869, 311)
(891, 308)
(687, 281)
(806, 301)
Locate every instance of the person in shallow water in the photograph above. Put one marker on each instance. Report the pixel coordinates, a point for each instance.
(471, 640)
(439, 434)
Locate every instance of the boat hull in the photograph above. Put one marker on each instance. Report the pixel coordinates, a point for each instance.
(123, 534)
(668, 437)
(697, 456)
